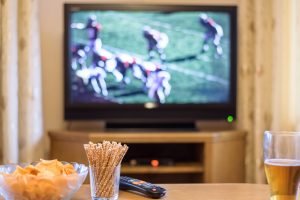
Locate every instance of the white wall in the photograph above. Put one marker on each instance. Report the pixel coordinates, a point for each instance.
(51, 26)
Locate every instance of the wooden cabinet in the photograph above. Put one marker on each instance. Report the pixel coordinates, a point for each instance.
(218, 156)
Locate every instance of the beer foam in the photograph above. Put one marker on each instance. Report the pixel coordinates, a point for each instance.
(282, 162)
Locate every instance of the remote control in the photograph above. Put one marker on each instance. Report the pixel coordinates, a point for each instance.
(148, 189)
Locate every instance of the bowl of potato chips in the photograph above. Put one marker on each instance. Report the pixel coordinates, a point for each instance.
(44, 179)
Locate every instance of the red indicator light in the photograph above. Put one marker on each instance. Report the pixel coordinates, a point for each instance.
(154, 163)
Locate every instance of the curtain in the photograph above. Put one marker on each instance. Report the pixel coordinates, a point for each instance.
(1, 155)
(296, 60)
(20, 102)
(254, 80)
(269, 74)
(286, 64)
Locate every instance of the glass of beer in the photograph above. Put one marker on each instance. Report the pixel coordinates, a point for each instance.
(282, 164)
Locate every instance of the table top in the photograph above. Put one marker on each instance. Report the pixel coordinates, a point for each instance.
(197, 191)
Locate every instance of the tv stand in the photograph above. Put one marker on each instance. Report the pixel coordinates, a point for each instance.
(196, 156)
(151, 126)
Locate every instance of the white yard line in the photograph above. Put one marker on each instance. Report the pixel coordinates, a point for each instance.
(198, 74)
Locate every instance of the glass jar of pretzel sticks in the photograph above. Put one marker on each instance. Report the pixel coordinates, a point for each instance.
(104, 165)
(105, 186)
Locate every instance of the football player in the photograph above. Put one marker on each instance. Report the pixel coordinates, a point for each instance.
(157, 42)
(214, 33)
(158, 84)
(106, 60)
(94, 76)
(157, 81)
(93, 29)
(79, 55)
(124, 63)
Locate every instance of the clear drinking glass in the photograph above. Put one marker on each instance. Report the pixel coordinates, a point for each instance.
(282, 164)
(105, 183)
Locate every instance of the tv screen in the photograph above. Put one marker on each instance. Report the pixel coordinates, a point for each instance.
(140, 57)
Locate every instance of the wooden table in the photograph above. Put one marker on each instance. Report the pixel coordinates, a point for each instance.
(197, 192)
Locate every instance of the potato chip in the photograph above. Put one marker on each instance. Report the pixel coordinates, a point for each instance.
(50, 167)
(68, 169)
(20, 171)
(32, 170)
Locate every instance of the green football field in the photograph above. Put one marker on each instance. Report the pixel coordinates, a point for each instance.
(195, 77)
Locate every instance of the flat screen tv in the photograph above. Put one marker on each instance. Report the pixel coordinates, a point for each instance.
(143, 63)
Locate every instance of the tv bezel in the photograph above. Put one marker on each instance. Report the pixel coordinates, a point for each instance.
(160, 112)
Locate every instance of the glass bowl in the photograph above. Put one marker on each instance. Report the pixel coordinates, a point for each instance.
(32, 187)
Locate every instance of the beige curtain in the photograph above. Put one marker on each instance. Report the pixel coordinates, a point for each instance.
(287, 65)
(254, 78)
(1, 155)
(295, 63)
(268, 74)
(21, 114)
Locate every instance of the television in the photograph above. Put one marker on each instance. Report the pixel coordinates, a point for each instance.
(150, 63)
